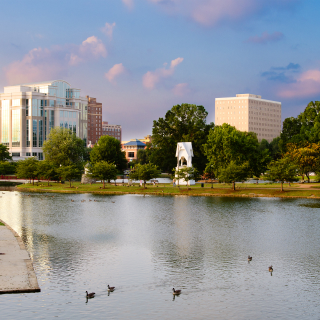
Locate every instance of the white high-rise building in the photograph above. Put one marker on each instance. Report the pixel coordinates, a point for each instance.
(248, 112)
(28, 112)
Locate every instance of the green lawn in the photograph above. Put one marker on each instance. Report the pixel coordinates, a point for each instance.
(242, 189)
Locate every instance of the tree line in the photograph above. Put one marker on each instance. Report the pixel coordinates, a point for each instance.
(220, 152)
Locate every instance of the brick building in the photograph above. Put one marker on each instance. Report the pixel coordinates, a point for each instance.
(94, 120)
(113, 130)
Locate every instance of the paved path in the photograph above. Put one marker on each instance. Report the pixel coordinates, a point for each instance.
(16, 270)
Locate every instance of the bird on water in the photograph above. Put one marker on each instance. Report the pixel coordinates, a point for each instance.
(249, 258)
(90, 295)
(111, 288)
(176, 292)
(270, 269)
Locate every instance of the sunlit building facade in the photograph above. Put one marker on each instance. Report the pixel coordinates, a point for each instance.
(248, 112)
(28, 112)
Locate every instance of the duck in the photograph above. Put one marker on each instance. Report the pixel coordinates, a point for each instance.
(176, 292)
(270, 269)
(111, 288)
(249, 258)
(72, 200)
(90, 295)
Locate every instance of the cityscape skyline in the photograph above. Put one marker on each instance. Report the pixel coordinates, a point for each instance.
(139, 58)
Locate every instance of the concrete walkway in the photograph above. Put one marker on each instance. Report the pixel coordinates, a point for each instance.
(16, 270)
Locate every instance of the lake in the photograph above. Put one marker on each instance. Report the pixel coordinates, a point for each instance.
(146, 245)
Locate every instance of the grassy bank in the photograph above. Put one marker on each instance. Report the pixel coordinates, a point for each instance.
(242, 190)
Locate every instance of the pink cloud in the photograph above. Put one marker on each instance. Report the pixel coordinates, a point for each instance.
(108, 29)
(128, 3)
(151, 78)
(181, 89)
(115, 71)
(48, 63)
(211, 12)
(308, 84)
(266, 37)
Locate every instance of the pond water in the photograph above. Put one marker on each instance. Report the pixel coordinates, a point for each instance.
(146, 245)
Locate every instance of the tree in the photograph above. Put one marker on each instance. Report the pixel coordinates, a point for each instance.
(183, 123)
(28, 169)
(7, 167)
(185, 173)
(104, 170)
(234, 172)
(47, 170)
(305, 157)
(226, 144)
(281, 170)
(69, 172)
(109, 149)
(144, 172)
(209, 174)
(63, 148)
(4, 153)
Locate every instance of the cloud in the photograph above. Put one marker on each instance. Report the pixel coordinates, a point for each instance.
(115, 71)
(90, 48)
(282, 74)
(266, 37)
(128, 3)
(54, 62)
(181, 89)
(307, 85)
(212, 12)
(108, 29)
(151, 78)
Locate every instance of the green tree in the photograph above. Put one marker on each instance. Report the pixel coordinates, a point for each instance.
(47, 170)
(144, 172)
(63, 148)
(234, 172)
(104, 170)
(28, 169)
(69, 172)
(4, 153)
(109, 149)
(7, 167)
(185, 173)
(208, 174)
(281, 170)
(183, 123)
(226, 144)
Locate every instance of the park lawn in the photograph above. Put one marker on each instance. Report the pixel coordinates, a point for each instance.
(250, 190)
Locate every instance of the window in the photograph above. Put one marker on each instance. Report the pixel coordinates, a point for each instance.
(34, 133)
(28, 154)
(34, 154)
(16, 128)
(28, 132)
(5, 122)
(16, 154)
(40, 156)
(131, 154)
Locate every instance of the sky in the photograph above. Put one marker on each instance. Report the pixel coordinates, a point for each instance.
(141, 57)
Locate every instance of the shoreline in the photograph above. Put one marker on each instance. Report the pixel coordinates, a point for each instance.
(254, 193)
(17, 272)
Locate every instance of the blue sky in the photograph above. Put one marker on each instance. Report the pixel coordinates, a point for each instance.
(141, 57)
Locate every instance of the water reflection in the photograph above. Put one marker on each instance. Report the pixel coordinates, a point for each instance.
(145, 246)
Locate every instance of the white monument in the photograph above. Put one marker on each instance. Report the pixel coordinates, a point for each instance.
(184, 156)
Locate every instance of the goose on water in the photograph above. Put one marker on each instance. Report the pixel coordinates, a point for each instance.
(249, 258)
(270, 269)
(177, 292)
(111, 288)
(90, 295)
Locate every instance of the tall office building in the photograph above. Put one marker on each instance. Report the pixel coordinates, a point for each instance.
(248, 112)
(28, 112)
(94, 120)
(113, 130)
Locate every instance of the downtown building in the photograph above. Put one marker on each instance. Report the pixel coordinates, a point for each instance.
(28, 112)
(94, 120)
(113, 130)
(248, 112)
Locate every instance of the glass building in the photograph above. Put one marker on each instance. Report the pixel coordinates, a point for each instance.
(28, 112)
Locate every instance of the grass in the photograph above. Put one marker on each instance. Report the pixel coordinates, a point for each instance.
(2, 224)
(242, 190)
